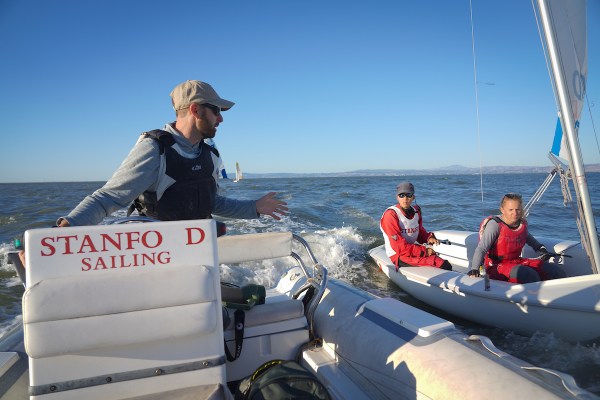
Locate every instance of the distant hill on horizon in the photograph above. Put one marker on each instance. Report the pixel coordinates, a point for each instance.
(450, 170)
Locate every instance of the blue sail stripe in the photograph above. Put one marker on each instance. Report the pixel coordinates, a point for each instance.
(558, 134)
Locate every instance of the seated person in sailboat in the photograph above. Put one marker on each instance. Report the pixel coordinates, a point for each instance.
(501, 241)
(404, 234)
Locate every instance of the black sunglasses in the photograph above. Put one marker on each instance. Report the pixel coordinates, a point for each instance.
(403, 195)
(215, 109)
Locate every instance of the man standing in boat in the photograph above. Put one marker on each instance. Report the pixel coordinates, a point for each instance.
(404, 234)
(171, 174)
(501, 241)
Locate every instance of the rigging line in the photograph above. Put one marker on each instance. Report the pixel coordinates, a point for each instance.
(477, 104)
(587, 101)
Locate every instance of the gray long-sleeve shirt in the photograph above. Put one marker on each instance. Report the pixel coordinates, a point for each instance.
(489, 237)
(142, 170)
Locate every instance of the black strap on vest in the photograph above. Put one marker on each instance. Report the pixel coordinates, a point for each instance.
(155, 134)
(238, 319)
(494, 257)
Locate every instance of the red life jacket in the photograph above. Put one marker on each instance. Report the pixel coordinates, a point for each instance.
(509, 244)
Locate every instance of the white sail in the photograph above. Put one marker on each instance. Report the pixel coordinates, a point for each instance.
(570, 32)
(564, 23)
(238, 173)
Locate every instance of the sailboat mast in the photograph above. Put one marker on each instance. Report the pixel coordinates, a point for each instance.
(568, 121)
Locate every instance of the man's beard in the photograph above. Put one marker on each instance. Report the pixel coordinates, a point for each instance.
(207, 130)
(209, 133)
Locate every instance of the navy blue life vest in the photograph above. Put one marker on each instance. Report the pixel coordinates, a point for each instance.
(192, 196)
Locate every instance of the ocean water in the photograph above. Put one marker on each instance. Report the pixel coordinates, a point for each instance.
(339, 217)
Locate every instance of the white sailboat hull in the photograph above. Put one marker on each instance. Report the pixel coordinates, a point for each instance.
(569, 307)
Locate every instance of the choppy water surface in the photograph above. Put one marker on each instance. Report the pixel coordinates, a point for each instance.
(339, 217)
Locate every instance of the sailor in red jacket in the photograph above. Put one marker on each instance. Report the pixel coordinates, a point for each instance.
(501, 241)
(404, 235)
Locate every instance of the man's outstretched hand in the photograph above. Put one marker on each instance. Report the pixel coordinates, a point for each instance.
(269, 205)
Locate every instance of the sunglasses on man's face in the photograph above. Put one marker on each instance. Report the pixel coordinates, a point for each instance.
(215, 109)
(403, 195)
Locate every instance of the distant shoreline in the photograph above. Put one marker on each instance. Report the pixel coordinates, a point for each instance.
(451, 170)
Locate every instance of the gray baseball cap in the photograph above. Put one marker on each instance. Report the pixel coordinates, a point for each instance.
(199, 92)
(405, 187)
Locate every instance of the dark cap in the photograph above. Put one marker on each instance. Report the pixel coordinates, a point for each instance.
(405, 187)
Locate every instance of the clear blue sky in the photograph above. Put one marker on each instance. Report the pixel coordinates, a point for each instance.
(319, 86)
